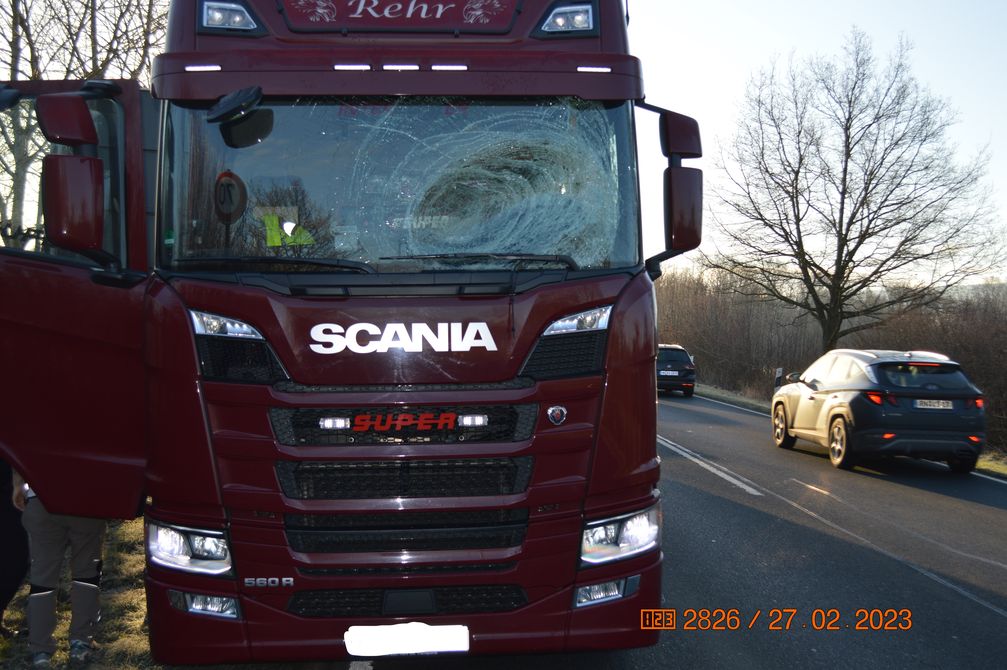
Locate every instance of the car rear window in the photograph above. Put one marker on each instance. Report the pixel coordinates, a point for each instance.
(929, 377)
(673, 356)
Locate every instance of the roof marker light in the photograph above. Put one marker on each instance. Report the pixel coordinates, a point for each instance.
(400, 67)
(227, 16)
(449, 68)
(203, 68)
(591, 68)
(351, 67)
(573, 18)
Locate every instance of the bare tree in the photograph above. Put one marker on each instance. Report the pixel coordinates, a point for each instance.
(844, 199)
(87, 39)
(55, 39)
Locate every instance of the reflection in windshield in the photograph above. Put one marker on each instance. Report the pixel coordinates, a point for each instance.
(407, 185)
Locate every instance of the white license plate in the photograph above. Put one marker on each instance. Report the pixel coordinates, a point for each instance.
(934, 404)
(669, 373)
(414, 637)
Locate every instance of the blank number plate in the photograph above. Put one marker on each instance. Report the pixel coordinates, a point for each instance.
(414, 637)
(934, 404)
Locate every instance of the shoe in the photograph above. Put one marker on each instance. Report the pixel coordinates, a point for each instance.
(80, 651)
(41, 660)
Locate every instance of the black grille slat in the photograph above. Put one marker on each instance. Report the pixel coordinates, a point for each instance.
(335, 603)
(406, 569)
(348, 480)
(507, 385)
(405, 540)
(390, 425)
(376, 521)
(567, 355)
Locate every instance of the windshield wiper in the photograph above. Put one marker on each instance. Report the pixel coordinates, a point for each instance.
(569, 262)
(339, 263)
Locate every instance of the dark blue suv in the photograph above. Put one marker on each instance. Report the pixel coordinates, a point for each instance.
(860, 403)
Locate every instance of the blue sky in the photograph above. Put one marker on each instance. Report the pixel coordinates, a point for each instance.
(699, 56)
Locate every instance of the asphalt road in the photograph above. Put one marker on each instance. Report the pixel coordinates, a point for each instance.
(789, 556)
(752, 527)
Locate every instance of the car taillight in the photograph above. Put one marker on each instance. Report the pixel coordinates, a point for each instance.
(978, 403)
(879, 398)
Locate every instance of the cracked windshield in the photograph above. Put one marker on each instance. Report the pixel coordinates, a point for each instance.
(402, 185)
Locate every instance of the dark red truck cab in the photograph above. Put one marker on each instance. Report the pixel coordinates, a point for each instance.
(352, 307)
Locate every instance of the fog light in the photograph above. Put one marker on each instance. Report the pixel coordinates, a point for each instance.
(600, 593)
(198, 603)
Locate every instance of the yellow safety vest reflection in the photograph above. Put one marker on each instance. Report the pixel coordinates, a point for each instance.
(277, 237)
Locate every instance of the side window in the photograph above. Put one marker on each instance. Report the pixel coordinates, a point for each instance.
(22, 148)
(819, 370)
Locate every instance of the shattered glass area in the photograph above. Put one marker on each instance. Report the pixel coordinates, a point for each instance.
(394, 182)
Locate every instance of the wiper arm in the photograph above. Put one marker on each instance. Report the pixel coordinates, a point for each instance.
(569, 262)
(339, 263)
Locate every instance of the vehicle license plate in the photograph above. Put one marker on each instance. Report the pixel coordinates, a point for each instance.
(934, 404)
(669, 373)
(414, 637)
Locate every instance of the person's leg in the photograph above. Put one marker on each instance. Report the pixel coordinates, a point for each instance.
(86, 538)
(13, 558)
(47, 540)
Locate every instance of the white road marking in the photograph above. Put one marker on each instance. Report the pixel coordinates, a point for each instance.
(755, 489)
(718, 470)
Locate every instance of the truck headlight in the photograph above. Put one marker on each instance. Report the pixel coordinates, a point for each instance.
(201, 551)
(621, 537)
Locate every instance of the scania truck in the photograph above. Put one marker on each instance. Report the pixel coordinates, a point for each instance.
(352, 307)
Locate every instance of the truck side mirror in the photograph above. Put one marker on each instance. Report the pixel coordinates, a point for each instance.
(73, 196)
(683, 208)
(683, 187)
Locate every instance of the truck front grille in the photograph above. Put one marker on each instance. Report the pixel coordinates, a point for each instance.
(567, 355)
(334, 603)
(351, 480)
(406, 531)
(403, 424)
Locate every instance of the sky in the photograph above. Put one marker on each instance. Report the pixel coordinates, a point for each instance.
(698, 58)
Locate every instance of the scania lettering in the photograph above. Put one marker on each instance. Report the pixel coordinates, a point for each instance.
(352, 307)
(333, 339)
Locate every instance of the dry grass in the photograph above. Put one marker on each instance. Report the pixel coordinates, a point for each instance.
(122, 634)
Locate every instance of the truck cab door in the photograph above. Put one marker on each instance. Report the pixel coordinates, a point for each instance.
(73, 275)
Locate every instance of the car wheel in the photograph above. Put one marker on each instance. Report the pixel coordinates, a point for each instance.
(688, 393)
(963, 465)
(840, 447)
(781, 436)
